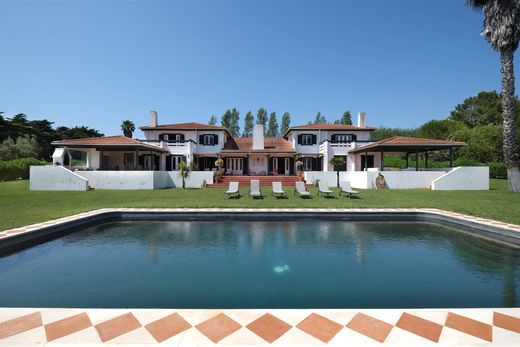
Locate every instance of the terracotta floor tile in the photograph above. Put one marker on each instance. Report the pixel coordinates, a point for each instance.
(269, 327)
(419, 326)
(67, 326)
(167, 327)
(218, 327)
(320, 327)
(20, 324)
(117, 326)
(369, 326)
(506, 322)
(470, 326)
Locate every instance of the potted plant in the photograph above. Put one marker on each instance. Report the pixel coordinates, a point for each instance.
(218, 175)
(299, 164)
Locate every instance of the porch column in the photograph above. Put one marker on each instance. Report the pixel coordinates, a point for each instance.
(151, 161)
(382, 160)
(451, 156)
(70, 159)
(426, 159)
(365, 164)
(407, 162)
(135, 160)
(416, 160)
(101, 160)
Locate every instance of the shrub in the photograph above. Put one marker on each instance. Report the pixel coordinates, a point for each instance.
(11, 170)
(497, 170)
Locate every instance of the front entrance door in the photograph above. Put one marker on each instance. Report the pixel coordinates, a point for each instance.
(235, 165)
(287, 166)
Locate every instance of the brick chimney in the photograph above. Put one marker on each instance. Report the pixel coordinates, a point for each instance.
(153, 119)
(362, 120)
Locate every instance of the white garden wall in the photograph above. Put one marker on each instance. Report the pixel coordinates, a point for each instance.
(463, 178)
(196, 179)
(54, 177)
(119, 179)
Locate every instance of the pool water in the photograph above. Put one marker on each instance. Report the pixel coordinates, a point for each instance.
(262, 264)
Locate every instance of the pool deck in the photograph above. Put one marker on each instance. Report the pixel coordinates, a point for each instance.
(288, 327)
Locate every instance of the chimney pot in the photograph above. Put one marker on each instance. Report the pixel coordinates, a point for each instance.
(153, 119)
(258, 136)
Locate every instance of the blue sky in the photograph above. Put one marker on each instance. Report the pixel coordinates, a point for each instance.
(96, 63)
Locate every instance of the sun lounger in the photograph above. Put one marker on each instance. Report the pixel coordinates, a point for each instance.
(278, 190)
(301, 190)
(346, 188)
(233, 190)
(254, 190)
(324, 189)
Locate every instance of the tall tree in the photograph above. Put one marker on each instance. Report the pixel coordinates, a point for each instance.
(230, 121)
(128, 128)
(248, 124)
(502, 31)
(272, 128)
(346, 119)
(286, 123)
(319, 119)
(261, 117)
(212, 120)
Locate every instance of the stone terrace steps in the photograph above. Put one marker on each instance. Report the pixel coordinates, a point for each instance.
(265, 181)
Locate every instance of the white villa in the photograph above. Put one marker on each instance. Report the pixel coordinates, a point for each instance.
(119, 162)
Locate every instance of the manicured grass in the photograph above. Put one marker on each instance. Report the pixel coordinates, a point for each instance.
(19, 206)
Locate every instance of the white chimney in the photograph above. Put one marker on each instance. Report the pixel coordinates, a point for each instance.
(153, 119)
(258, 136)
(362, 120)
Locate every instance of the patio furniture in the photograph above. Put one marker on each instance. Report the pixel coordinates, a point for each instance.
(301, 190)
(346, 188)
(324, 189)
(278, 190)
(254, 190)
(233, 190)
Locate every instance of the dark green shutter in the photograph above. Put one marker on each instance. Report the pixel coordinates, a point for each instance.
(215, 138)
(299, 139)
(168, 163)
(314, 139)
(201, 140)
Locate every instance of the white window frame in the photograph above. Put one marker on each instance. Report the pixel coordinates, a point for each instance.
(306, 139)
(208, 140)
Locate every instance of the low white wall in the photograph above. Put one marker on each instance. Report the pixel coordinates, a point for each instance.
(119, 179)
(366, 179)
(195, 180)
(54, 177)
(463, 178)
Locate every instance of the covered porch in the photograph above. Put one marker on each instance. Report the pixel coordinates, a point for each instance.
(372, 156)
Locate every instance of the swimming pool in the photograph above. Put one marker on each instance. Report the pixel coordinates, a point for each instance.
(253, 263)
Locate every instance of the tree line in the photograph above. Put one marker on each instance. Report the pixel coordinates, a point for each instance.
(22, 138)
(231, 120)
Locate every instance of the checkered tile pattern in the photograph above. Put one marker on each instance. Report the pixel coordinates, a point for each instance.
(260, 327)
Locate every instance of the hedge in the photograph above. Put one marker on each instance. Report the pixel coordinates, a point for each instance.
(11, 170)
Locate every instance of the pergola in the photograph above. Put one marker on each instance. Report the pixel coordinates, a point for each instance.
(408, 145)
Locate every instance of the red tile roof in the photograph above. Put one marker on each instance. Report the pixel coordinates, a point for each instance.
(184, 126)
(271, 144)
(118, 140)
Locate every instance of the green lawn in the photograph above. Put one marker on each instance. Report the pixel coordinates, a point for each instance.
(19, 206)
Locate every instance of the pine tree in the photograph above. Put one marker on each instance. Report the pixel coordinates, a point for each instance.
(261, 117)
(272, 129)
(248, 124)
(230, 121)
(320, 119)
(346, 119)
(286, 123)
(212, 120)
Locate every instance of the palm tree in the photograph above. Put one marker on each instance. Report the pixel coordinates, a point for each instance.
(184, 172)
(502, 31)
(337, 162)
(128, 128)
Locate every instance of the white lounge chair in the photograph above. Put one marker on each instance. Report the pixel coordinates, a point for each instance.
(254, 190)
(346, 188)
(301, 190)
(278, 190)
(233, 190)
(324, 189)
